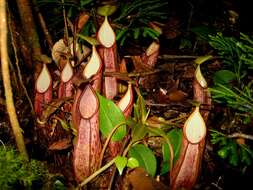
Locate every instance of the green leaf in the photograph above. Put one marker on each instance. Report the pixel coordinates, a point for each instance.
(223, 152)
(120, 33)
(138, 132)
(234, 158)
(132, 163)
(140, 111)
(217, 137)
(120, 163)
(175, 137)
(249, 151)
(245, 157)
(88, 28)
(90, 40)
(165, 168)
(110, 117)
(224, 77)
(106, 10)
(64, 125)
(123, 39)
(136, 32)
(58, 185)
(185, 43)
(145, 157)
(160, 132)
(85, 2)
(151, 32)
(203, 32)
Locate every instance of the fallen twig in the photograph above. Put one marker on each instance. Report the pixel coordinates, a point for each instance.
(241, 135)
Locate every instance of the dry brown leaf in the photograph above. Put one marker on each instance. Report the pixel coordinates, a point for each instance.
(82, 20)
(52, 108)
(156, 121)
(177, 96)
(240, 141)
(61, 144)
(141, 180)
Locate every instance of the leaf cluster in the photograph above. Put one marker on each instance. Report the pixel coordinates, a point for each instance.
(236, 54)
(230, 83)
(137, 150)
(142, 11)
(134, 18)
(236, 154)
(232, 88)
(240, 100)
(131, 18)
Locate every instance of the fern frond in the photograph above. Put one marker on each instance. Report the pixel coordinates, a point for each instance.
(241, 100)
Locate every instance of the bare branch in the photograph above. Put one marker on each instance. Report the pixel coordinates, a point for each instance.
(241, 135)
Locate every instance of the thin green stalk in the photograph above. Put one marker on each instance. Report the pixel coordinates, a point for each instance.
(246, 38)
(162, 134)
(215, 131)
(230, 93)
(107, 142)
(95, 174)
(132, 143)
(114, 168)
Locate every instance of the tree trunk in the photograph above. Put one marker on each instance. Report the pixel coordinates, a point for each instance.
(7, 83)
(31, 35)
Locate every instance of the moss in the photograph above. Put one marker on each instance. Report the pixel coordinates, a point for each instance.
(16, 173)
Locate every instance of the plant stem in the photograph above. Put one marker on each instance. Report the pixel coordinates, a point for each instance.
(131, 143)
(43, 25)
(107, 142)
(95, 174)
(114, 168)
(17, 131)
(135, 74)
(161, 134)
(66, 30)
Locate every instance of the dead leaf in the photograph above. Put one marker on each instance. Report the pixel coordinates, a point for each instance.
(177, 96)
(82, 20)
(141, 180)
(240, 141)
(60, 50)
(123, 66)
(61, 144)
(156, 121)
(52, 108)
(138, 66)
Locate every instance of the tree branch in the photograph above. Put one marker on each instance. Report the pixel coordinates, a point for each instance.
(241, 135)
